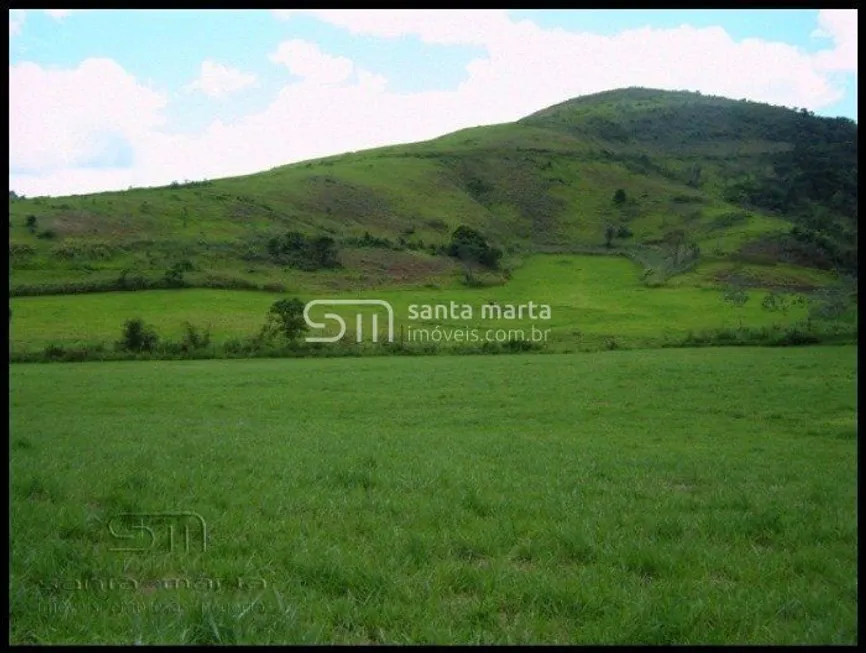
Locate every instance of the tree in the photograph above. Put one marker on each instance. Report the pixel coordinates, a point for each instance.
(619, 197)
(286, 316)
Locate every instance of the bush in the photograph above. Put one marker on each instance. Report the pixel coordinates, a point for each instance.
(234, 346)
(372, 241)
(307, 253)
(521, 345)
(793, 337)
(53, 352)
(467, 244)
(174, 275)
(19, 251)
(138, 337)
(193, 339)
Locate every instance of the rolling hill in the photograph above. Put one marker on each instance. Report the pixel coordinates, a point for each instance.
(678, 181)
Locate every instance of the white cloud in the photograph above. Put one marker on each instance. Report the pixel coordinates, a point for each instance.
(442, 26)
(58, 14)
(16, 21)
(307, 61)
(61, 118)
(218, 81)
(840, 25)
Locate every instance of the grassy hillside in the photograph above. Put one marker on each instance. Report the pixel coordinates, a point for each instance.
(680, 181)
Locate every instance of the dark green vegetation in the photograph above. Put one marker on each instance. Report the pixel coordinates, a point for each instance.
(678, 181)
(678, 496)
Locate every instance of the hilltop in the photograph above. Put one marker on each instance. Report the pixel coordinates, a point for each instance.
(678, 181)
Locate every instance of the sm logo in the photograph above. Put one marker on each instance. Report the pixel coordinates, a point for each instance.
(359, 319)
(167, 532)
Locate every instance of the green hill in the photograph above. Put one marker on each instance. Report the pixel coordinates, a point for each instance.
(678, 181)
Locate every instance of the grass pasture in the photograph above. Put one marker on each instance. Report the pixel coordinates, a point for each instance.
(667, 496)
(591, 299)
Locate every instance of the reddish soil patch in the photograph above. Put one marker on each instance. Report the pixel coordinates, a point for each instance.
(391, 266)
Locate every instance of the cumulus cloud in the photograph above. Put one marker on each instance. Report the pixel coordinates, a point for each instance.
(16, 21)
(839, 25)
(307, 61)
(62, 120)
(217, 80)
(435, 26)
(558, 64)
(59, 14)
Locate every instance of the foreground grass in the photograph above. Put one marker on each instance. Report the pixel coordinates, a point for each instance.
(686, 496)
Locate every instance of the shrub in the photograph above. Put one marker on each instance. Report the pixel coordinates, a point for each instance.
(467, 244)
(174, 275)
(521, 345)
(372, 241)
(138, 337)
(193, 339)
(234, 346)
(53, 352)
(18, 251)
(793, 337)
(307, 253)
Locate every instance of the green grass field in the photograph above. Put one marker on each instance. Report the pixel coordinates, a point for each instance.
(677, 496)
(591, 298)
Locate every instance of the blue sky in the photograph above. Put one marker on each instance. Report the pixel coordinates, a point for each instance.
(105, 99)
